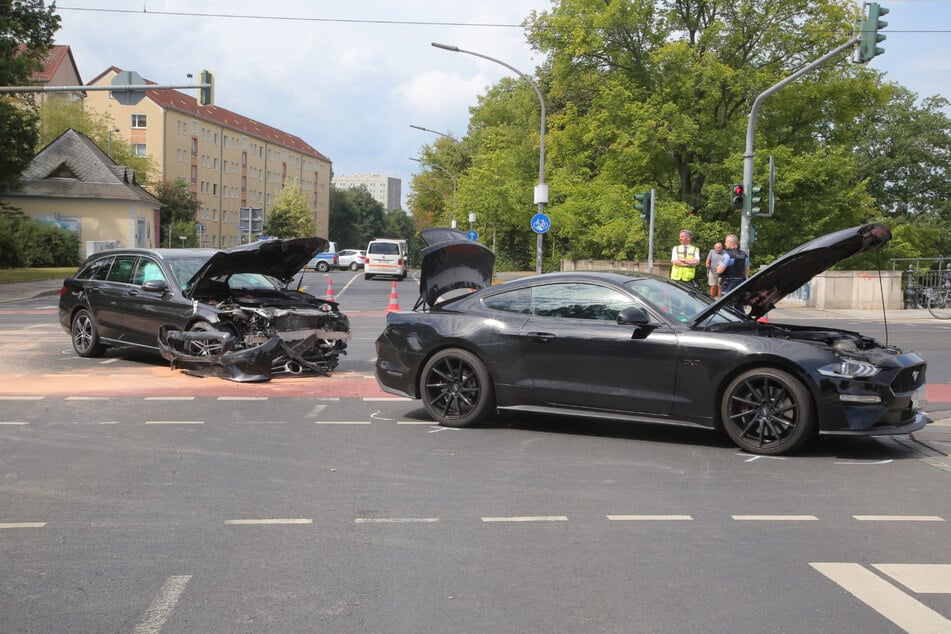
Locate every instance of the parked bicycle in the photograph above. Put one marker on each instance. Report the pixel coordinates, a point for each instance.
(939, 304)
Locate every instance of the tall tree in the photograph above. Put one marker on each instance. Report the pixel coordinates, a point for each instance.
(355, 217)
(179, 210)
(26, 33)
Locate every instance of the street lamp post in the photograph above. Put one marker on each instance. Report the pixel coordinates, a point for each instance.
(110, 140)
(448, 136)
(541, 191)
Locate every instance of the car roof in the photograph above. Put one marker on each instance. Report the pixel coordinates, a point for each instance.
(165, 254)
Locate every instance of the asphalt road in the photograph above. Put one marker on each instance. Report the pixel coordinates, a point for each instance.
(132, 499)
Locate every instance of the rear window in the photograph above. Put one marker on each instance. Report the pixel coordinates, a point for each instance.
(384, 248)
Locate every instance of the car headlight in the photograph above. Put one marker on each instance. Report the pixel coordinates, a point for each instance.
(849, 369)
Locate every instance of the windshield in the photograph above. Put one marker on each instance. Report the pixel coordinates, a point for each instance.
(677, 302)
(185, 268)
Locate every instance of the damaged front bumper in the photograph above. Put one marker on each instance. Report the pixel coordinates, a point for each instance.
(216, 354)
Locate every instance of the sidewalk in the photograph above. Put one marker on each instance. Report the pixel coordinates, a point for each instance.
(29, 290)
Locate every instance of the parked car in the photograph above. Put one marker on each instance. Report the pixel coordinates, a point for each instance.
(386, 257)
(352, 259)
(643, 348)
(225, 313)
(325, 260)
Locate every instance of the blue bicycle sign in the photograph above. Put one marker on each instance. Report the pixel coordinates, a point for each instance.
(541, 223)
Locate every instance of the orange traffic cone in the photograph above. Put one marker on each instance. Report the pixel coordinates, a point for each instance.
(394, 306)
(330, 288)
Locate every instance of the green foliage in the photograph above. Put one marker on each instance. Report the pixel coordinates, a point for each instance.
(188, 229)
(179, 206)
(355, 217)
(57, 116)
(25, 242)
(291, 216)
(26, 33)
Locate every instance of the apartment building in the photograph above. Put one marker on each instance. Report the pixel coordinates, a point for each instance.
(384, 189)
(230, 161)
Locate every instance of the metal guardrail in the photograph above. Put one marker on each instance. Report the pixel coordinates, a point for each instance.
(922, 278)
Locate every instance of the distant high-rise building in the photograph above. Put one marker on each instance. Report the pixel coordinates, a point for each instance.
(385, 189)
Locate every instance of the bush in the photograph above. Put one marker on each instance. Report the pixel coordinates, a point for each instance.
(28, 243)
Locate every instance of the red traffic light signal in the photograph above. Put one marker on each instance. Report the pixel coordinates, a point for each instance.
(738, 197)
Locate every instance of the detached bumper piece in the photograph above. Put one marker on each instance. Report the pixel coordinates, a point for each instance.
(216, 354)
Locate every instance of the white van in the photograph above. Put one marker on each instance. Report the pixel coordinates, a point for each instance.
(386, 257)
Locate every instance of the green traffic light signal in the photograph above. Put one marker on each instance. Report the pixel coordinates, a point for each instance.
(643, 204)
(870, 36)
(206, 95)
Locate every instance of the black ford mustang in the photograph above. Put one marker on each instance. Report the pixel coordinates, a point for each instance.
(643, 348)
(218, 313)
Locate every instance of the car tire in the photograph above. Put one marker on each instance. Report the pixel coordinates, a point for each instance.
(354, 266)
(768, 411)
(200, 349)
(456, 388)
(85, 335)
(322, 267)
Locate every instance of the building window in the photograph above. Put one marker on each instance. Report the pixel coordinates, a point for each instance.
(138, 121)
(138, 149)
(194, 146)
(194, 174)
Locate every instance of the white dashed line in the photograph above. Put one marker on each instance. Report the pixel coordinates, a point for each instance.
(268, 522)
(898, 518)
(170, 398)
(775, 518)
(395, 520)
(528, 518)
(649, 518)
(21, 398)
(162, 605)
(904, 611)
(13, 423)
(22, 524)
(174, 422)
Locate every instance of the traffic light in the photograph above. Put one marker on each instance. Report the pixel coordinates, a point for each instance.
(870, 36)
(206, 95)
(738, 197)
(643, 204)
(755, 199)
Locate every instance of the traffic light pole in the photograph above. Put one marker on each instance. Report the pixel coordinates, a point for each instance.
(747, 214)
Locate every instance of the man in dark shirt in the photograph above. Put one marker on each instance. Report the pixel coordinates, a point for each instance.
(735, 265)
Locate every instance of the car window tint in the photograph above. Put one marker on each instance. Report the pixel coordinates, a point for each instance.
(671, 299)
(147, 271)
(97, 270)
(385, 248)
(578, 300)
(121, 270)
(517, 301)
(185, 268)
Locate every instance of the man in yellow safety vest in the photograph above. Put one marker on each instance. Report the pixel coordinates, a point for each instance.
(684, 259)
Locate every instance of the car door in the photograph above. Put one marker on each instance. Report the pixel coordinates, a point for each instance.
(148, 310)
(579, 356)
(109, 299)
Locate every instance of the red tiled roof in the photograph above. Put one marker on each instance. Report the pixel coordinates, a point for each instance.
(54, 58)
(180, 102)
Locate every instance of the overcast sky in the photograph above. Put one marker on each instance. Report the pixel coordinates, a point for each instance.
(349, 77)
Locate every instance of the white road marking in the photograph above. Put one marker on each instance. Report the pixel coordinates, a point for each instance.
(162, 605)
(648, 518)
(22, 524)
(13, 422)
(242, 398)
(528, 518)
(750, 458)
(174, 422)
(395, 520)
(328, 398)
(864, 462)
(341, 422)
(108, 361)
(268, 522)
(904, 611)
(775, 518)
(21, 398)
(376, 415)
(170, 398)
(920, 578)
(898, 518)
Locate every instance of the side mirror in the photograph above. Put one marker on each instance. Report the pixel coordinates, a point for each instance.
(633, 316)
(155, 286)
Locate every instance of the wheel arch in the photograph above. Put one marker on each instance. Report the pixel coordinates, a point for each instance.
(448, 344)
(765, 361)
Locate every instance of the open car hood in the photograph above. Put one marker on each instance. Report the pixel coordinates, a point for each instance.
(763, 290)
(452, 261)
(280, 259)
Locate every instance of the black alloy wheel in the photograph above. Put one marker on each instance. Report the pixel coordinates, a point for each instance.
(768, 411)
(206, 348)
(456, 388)
(85, 335)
